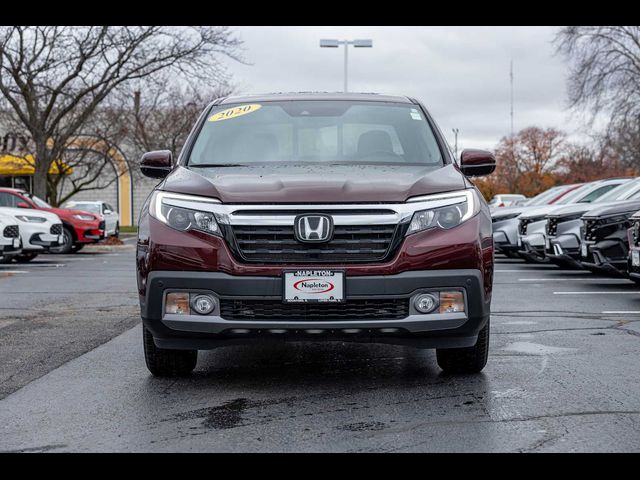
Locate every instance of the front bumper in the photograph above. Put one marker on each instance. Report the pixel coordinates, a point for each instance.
(564, 249)
(449, 330)
(609, 257)
(533, 246)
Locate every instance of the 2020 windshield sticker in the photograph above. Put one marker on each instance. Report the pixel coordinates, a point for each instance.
(235, 112)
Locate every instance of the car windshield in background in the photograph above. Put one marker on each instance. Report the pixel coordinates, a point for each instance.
(544, 197)
(621, 192)
(316, 132)
(89, 207)
(38, 201)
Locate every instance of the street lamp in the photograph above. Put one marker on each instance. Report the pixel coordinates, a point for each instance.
(332, 43)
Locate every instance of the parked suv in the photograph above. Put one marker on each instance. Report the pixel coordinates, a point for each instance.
(79, 227)
(39, 232)
(10, 245)
(315, 217)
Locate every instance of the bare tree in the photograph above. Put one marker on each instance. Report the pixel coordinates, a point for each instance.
(161, 115)
(53, 78)
(605, 74)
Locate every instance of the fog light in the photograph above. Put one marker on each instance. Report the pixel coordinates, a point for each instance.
(425, 303)
(177, 303)
(451, 302)
(203, 304)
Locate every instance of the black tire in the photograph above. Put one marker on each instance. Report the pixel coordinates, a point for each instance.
(78, 246)
(512, 254)
(167, 363)
(25, 257)
(67, 242)
(466, 360)
(117, 232)
(6, 259)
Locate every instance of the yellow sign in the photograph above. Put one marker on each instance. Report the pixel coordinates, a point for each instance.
(12, 165)
(235, 112)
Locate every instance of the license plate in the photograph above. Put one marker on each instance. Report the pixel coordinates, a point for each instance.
(585, 250)
(635, 258)
(303, 286)
(16, 242)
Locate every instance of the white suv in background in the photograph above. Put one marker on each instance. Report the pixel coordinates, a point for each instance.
(111, 217)
(39, 231)
(9, 238)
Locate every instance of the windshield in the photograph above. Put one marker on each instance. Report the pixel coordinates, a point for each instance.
(39, 202)
(575, 196)
(544, 197)
(342, 132)
(89, 207)
(621, 192)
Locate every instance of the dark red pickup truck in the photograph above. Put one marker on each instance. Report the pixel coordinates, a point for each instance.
(322, 217)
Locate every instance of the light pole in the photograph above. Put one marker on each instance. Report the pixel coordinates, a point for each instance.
(331, 43)
(455, 134)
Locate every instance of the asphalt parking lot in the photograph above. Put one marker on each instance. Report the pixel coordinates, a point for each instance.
(562, 374)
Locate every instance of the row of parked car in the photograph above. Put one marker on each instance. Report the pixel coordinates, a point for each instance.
(594, 226)
(30, 226)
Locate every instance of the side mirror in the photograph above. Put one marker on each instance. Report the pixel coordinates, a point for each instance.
(475, 163)
(23, 205)
(108, 212)
(156, 164)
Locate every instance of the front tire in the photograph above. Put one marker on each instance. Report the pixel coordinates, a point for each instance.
(67, 243)
(163, 362)
(116, 233)
(466, 360)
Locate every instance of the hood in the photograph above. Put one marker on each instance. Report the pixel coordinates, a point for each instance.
(578, 209)
(30, 212)
(314, 183)
(66, 213)
(541, 211)
(605, 210)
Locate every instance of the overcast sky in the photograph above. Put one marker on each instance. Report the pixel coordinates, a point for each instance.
(460, 73)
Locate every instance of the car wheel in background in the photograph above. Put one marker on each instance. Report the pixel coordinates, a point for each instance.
(116, 233)
(25, 257)
(78, 246)
(465, 360)
(67, 242)
(4, 260)
(162, 362)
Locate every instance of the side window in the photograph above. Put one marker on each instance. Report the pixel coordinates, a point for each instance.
(9, 200)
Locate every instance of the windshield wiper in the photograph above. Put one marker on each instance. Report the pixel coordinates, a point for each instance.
(211, 165)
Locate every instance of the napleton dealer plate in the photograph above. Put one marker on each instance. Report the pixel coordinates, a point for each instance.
(302, 286)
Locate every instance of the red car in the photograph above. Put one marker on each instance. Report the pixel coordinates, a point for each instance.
(79, 227)
(318, 217)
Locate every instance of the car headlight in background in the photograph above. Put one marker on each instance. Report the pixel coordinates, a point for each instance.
(29, 219)
(86, 218)
(184, 212)
(449, 210)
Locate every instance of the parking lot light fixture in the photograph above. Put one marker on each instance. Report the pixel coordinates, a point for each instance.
(358, 43)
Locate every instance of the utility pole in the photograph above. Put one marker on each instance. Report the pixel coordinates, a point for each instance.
(455, 148)
(332, 43)
(511, 81)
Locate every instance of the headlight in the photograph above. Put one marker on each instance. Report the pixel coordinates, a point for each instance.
(28, 219)
(184, 212)
(86, 218)
(449, 210)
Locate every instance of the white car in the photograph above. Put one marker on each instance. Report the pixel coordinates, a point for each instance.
(505, 200)
(111, 217)
(10, 244)
(39, 231)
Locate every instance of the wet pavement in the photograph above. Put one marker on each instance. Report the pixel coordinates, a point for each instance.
(562, 376)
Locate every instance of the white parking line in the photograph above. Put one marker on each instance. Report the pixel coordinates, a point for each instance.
(596, 293)
(620, 312)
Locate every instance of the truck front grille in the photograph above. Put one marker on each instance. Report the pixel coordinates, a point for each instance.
(56, 229)
(277, 244)
(12, 231)
(393, 309)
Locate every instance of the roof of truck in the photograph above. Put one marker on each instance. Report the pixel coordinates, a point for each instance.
(310, 96)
